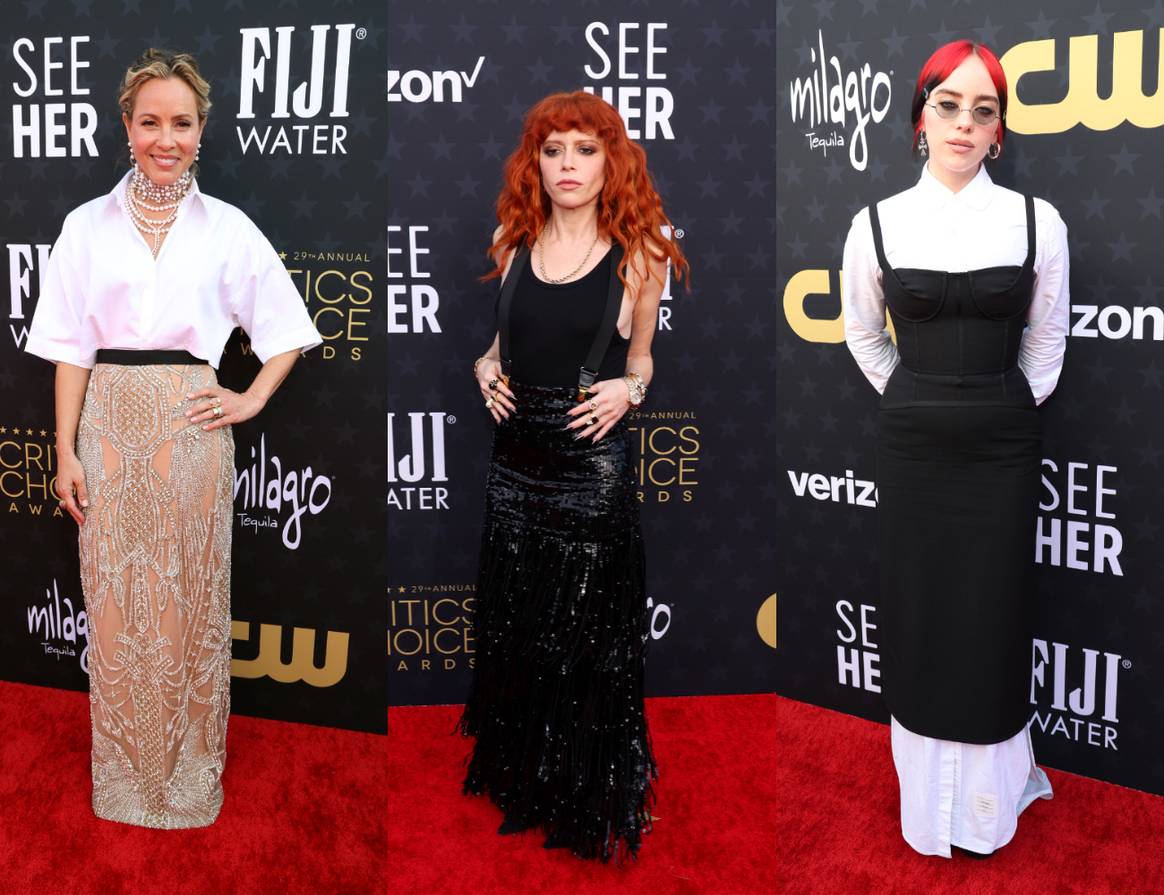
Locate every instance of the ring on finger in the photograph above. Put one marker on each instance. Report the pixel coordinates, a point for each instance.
(489, 404)
(593, 419)
(593, 404)
(217, 410)
(492, 385)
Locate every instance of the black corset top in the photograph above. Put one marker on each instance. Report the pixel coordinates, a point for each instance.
(958, 324)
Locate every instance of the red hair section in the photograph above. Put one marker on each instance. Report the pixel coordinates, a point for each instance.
(941, 65)
(630, 211)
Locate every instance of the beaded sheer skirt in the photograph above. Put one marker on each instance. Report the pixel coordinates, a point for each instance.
(155, 569)
(556, 702)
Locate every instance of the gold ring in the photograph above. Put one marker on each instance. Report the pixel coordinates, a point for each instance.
(217, 410)
(488, 403)
(492, 385)
(217, 401)
(593, 404)
(594, 419)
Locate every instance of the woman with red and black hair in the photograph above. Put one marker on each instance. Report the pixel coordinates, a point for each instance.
(974, 277)
(556, 703)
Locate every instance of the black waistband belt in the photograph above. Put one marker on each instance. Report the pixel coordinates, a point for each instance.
(129, 357)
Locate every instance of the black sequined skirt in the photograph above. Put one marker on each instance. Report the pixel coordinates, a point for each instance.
(556, 703)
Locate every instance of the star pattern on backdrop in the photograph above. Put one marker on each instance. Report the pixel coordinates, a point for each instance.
(303, 204)
(717, 182)
(1105, 410)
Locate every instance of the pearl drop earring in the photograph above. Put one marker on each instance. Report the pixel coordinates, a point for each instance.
(132, 157)
(198, 152)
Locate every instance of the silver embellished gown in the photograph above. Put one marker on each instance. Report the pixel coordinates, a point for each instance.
(155, 567)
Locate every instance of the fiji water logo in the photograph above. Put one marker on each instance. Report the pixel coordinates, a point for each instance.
(268, 496)
(831, 100)
(1076, 693)
(267, 89)
(60, 628)
(417, 470)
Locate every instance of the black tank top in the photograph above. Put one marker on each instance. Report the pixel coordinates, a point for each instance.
(958, 333)
(551, 328)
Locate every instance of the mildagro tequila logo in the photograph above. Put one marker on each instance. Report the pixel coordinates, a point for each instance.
(60, 626)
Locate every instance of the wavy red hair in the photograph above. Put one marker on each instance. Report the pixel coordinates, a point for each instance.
(630, 211)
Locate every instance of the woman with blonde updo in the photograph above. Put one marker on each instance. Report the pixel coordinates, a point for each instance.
(143, 288)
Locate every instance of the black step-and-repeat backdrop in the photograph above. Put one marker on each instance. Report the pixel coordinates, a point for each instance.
(1085, 118)
(296, 139)
(694, 83)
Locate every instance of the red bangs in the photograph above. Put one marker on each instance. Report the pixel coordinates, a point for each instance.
(579, 111)
(630, 211)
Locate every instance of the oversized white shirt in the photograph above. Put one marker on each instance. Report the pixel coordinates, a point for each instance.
(104, 289)
(982, 225)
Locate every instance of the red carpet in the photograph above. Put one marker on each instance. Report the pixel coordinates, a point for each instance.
(304, 812)
(716, 810)
(758, 795)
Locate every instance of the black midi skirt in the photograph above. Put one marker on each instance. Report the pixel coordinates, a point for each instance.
(556, 702)
(957, 497)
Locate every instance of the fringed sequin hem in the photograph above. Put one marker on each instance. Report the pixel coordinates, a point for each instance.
(557, 698)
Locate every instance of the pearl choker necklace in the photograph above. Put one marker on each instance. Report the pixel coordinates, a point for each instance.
(146, 190)
(146, 196)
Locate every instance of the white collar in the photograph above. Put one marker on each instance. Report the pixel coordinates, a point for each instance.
(976, 194)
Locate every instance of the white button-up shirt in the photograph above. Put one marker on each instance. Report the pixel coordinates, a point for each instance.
(981, 225)
(215, 271)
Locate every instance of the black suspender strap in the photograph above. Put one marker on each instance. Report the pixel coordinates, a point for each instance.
(516, 268)
(1030, 232)
(589, 371)
(875, 223)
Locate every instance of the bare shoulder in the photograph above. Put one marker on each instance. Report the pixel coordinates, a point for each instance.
(647, 268)
(507, 257)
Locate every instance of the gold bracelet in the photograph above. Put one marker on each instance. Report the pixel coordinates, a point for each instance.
(477, 363)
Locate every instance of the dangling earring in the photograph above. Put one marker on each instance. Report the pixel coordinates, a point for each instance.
(197, 152)
(132, 157)
(923, 148)
(994, 151)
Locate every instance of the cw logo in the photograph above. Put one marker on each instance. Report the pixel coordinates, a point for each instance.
(269, 662)
(827, 330)
(1082, 104)
(766, 621)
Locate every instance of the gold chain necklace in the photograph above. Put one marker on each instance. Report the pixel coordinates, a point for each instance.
(542, 261)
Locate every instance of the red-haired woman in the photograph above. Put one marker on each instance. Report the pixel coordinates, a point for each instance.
(974, 277)
(556, 703)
